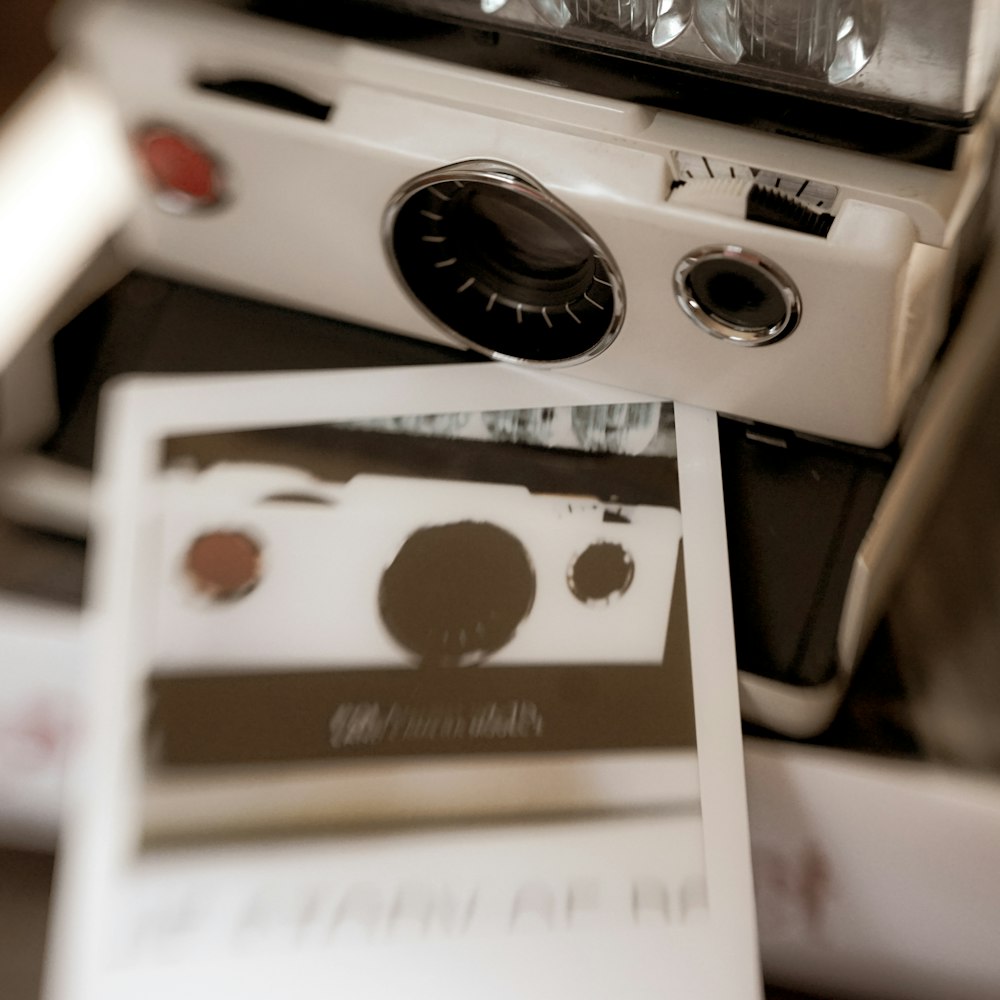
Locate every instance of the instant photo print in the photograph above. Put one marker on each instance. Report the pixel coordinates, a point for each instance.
(477, 708)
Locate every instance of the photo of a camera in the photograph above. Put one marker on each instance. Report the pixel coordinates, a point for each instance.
(264, 566)
(790, 282)
(402, 645)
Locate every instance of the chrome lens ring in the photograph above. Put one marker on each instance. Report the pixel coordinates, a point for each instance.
(737, 295)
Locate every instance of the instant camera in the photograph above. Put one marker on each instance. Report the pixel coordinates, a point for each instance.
(775, 211)
(393, 177)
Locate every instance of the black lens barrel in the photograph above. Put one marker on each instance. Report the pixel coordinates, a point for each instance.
(494, 258)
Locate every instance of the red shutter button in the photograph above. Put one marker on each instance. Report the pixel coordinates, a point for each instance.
(184, 175)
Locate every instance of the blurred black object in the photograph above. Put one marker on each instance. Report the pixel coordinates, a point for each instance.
(796, 508)
(944, 620)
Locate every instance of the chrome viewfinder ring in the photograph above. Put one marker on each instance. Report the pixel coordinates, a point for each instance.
(737, 295)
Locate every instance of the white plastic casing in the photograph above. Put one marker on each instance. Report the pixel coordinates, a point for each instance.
(301, 220)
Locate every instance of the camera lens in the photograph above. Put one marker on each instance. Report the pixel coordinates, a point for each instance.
(523, 248)
(457, 592)
(737, 295)
(498, 261)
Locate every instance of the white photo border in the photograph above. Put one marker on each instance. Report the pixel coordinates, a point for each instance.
(141, 412)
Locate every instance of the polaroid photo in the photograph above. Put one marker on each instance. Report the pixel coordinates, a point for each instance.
(407, 677)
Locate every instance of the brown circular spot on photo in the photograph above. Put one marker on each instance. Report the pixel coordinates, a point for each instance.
(223, 565)
(457, 592)
(601, 572)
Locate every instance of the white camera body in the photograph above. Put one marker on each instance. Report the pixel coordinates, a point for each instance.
(317, 594)
(300, 209)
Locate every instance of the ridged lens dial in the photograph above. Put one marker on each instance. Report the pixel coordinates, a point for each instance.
(498, 261)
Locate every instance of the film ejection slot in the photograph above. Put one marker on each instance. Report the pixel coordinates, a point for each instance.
(492, 256)
(267, 94)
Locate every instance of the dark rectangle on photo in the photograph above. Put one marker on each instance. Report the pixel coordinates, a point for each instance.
(235, 719)
(337, 453)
